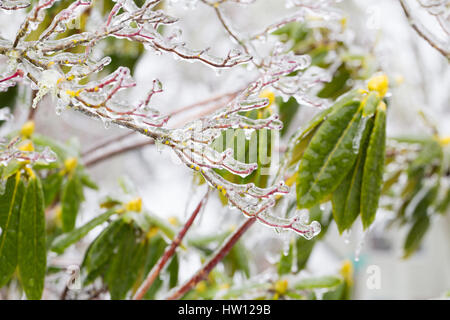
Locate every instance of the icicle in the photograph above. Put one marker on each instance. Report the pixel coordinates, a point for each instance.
(346, 235)
(360, 245)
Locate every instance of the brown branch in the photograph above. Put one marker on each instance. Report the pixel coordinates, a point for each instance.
(169, 252)
(116, 152)
(203, 102)
(421, 32)
(206, 269)
(106, 143)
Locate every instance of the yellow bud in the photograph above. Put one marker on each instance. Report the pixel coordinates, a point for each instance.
(201, 287)
(27, 129)
(26, 146)
(70, 164)
(379, 83)
(224, 286)
(347, 271)
(290, 181)
(152, 232)
(58, 215)
(134, 205)
(173, 221)
(281, 286)
(444, 141)
(269, 95)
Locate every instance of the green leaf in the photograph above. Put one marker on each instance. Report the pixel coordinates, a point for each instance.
(32, 255)
(237, 259)
(67, 239)
(286, 260)
(305, 247)
(415, 236)
(120, 275)
(102, 248)
(287, 112)
(346, 198)
(304, 250)
(10, 203)
(173, 271)
(374, 168)
(318, 282)
(62, 151)
(72, 196)
(51, 186)
(330, 154)
(370, 104)
(337, 85)
(88, 182)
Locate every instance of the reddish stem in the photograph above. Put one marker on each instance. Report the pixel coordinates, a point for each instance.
(18, 73)
(203, 272)
(169, 252)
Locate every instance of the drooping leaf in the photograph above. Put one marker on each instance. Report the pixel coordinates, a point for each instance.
(374, 168)
(330, 154)
(346, 198)
(119, 276)
(87, 181)
(67, 239)
(71, 198)
(10, 203)
(415, 236)
(304, 250)
(101, 249)
(305, 247)
(32, 255)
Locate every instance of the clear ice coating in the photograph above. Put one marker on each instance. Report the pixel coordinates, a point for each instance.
(44, 63)
(9, 151)
(14, 4)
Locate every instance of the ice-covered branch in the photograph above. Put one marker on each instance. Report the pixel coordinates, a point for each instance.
(438, 9)
(53, 69)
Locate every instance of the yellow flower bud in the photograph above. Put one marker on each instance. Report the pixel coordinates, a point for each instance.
(134, 205)
(444, 141)
(269, 95)
(26, 146)
(201, 287)
(379, 83)
(347, 271)
(152, 232)
(27, 129)
(281, 286)
(173, 221)
(70, 164)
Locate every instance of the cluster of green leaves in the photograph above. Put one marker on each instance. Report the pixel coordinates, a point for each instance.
(340, 157)
(124, 252)
(31, 191)
(423, 195)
